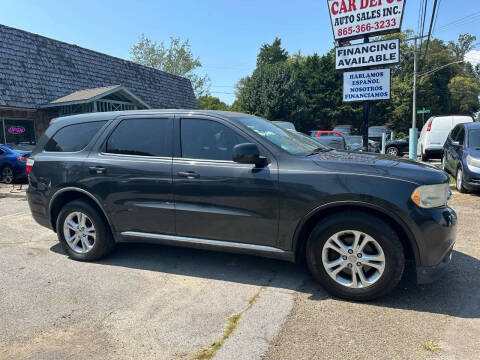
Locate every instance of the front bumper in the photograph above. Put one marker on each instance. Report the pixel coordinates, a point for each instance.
(435, 234)
(428, 274)
(471, 178)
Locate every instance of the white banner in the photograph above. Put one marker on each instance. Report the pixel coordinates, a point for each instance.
(366, 85)
(353, 19)
(367, 54)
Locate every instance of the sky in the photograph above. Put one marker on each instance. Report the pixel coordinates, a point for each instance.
(225, 35)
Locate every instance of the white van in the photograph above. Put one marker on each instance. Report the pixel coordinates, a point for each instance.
(434, 134)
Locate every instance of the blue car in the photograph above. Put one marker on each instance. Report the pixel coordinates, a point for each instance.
(461, 156)
(13, 161)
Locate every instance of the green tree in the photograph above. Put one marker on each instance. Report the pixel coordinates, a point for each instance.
(272, 53)
(272, 92)
(322, 89)
(212, 103)
(464, 92)
(176, 59)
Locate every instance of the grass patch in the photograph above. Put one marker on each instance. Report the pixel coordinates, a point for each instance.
(431, 346)
(209, 352)
(253, 299)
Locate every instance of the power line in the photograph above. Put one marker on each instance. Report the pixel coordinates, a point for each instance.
(436, 15)
(460, 21)
(423, 25)
(430, 30)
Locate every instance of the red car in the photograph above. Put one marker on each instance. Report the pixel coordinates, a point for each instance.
(327, 133)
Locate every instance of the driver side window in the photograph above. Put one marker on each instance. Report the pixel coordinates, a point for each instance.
(208, 139)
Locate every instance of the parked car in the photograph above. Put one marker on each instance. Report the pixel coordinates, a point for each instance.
(333, 141)
(344, 129)
(327, 133)
(13, 160)
(375, 133)
(286, 125)
(355, 143)
(236, 182)
(435, 132)
(397, 147)
(461, 156)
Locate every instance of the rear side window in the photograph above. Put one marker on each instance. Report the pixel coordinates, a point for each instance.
(142, 137)
(73, 137)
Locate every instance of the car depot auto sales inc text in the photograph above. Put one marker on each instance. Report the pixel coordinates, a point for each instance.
(358, 17)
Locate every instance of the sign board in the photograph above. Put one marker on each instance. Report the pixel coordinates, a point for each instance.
(423, 111)
(352, 19)
(366, 85)
(16, 130)
(367, 54)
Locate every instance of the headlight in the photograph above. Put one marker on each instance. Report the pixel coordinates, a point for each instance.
(474, 162)
(431, 196)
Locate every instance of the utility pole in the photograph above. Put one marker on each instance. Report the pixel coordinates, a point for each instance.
(365, 114)
(413, 133)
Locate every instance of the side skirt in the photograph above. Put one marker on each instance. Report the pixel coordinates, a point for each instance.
(198, 243)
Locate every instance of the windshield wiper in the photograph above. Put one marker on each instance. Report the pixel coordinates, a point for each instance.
(319, 149)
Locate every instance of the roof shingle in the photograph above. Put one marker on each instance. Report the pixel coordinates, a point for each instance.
(35, 70)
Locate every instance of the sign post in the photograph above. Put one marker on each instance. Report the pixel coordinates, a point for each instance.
(355, 19)
(423, 112)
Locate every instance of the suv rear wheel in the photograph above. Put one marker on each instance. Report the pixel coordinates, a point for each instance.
(355, 256)
(82, 232)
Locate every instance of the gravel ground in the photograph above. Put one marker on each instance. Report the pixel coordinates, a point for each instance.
(160, 302)
(143, 301)
(446, 312)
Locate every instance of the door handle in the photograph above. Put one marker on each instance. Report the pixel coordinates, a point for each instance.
(188, 174)
(97, 169)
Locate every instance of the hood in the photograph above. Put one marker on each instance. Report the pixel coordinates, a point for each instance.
(379, 165)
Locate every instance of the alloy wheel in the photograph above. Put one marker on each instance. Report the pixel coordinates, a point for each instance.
(79, 232)
(7, 175)
(393, 151)
(353, 259)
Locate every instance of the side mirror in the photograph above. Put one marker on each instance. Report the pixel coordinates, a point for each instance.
(248, 153)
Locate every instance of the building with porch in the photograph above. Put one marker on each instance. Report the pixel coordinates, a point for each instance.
(42, 78)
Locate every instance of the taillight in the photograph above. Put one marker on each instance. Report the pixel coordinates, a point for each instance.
(429, 126)
(22, 159)
(318, 133)
(30, 163)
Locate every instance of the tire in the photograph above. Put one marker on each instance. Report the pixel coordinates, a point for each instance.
(8, 176)
(459, 180)
(444, 162)
(348, 224)
(423, 157)
(93, 248)
(392, 150)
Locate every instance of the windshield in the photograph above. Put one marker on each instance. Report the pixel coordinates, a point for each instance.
(354, 140)
(292, 142)
(285, 124)
(377, 131)
(474, 139)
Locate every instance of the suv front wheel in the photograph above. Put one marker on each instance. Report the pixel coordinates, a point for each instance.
(355, 256)
(82, 232)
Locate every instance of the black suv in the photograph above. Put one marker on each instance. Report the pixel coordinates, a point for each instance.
(235, 182)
